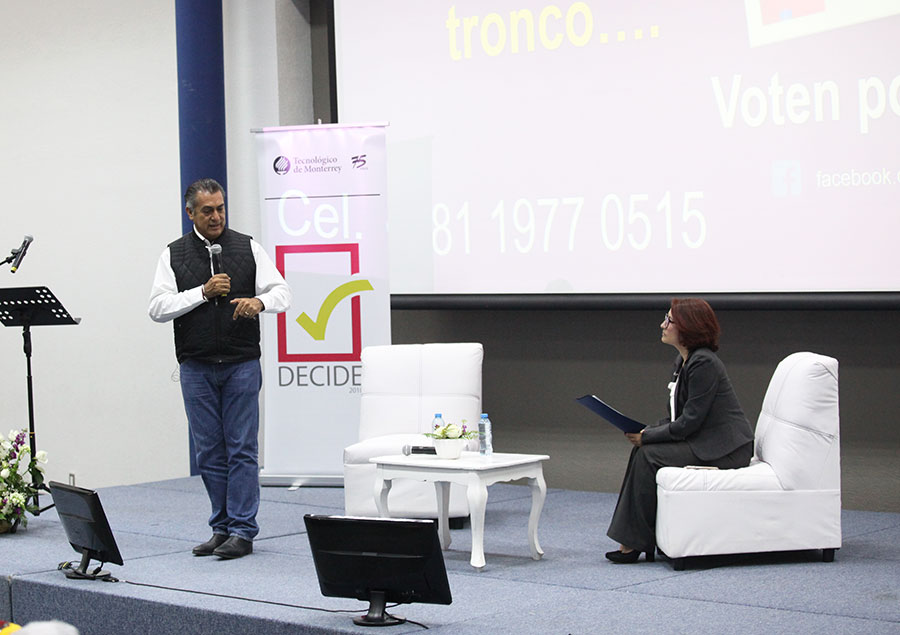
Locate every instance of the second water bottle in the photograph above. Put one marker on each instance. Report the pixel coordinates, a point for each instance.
(485, 440)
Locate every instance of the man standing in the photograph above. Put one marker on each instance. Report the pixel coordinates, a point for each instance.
(214, 282)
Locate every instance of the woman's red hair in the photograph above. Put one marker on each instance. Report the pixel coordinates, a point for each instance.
(697, 324)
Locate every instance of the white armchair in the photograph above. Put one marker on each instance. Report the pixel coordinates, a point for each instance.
(788, 498)
(403, 386)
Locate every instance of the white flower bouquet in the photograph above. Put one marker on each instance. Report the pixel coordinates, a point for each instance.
(21, 476)
(452, 431)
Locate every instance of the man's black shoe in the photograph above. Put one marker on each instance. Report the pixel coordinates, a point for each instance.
(234, 547)
(207, 548)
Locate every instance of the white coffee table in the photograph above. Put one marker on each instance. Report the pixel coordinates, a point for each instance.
(475, 472)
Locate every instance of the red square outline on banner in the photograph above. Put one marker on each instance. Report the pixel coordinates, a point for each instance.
(283, 355)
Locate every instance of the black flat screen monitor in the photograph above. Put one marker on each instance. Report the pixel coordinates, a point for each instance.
(380, 561)
(87, 529)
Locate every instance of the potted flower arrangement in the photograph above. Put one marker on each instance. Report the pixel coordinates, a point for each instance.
(450, 439)
(21, 476)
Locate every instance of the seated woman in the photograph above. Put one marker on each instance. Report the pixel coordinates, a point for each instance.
(705, 426)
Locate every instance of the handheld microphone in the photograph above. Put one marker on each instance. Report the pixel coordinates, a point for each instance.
(216, 253)
(418, 449)
(20, 252)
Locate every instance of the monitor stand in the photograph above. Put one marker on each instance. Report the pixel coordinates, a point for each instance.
(82, 573)
(376, 615)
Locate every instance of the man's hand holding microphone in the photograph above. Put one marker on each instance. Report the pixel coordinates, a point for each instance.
(220, 285)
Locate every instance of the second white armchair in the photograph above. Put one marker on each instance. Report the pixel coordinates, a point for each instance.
(403, 386)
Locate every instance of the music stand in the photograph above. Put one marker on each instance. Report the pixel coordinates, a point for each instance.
(27, 307)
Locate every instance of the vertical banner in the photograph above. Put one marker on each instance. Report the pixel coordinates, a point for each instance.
(323, 208)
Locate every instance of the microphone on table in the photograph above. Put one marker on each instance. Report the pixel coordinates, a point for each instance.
(20, 252)
(418, 449)
(216, 253)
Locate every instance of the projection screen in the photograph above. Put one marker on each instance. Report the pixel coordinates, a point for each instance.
(632, 147)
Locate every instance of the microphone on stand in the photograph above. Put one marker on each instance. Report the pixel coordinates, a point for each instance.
(216, 253)
(20, 253)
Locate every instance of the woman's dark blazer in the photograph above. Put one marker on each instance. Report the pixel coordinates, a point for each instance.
(708, 414)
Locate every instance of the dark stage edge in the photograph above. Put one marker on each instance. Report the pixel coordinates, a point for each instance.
(164, 589)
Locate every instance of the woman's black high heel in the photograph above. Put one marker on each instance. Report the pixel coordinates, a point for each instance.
(621, 557)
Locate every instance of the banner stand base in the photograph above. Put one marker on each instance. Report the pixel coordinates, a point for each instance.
(300, 480)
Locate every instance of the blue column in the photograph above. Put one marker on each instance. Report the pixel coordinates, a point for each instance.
(201, 93)
(201, 102)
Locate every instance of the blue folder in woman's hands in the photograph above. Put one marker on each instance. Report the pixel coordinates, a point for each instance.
(622, 422)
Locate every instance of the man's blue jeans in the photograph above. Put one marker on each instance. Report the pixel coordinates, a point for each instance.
(222, 405)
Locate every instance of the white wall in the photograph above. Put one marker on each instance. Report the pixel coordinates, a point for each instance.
(268, 82)
(89, 132)
(251, 101)
(90, 165)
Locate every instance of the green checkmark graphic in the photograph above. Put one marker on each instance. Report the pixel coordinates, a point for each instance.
(317, 329)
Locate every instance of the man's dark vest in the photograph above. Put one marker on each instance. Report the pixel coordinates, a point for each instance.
(208, 333)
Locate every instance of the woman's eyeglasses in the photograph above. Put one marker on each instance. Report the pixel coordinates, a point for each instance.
(667, 320)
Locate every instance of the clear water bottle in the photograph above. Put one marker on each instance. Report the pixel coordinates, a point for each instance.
(485, 439)
(438, 422)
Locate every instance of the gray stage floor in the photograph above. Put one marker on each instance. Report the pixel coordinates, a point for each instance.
(164, 589)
